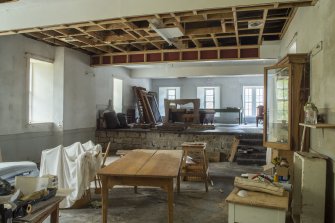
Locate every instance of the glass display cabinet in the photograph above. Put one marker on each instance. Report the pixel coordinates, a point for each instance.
(286, 87)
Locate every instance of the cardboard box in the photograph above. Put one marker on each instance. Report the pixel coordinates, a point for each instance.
(282, 171)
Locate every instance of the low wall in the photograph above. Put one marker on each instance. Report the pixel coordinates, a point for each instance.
(218, 144)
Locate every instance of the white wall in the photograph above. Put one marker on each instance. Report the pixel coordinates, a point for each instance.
(13, 74)
(312, 25)
(231, 89)
(73, 92)
(79, 91)
(104, 86)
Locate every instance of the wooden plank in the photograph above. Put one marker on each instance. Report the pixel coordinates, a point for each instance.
(259, 199)
(128, 165)
(233, 150)
(260, 37)
(236, 26)
(316, 126)
(164, 163)
(258, 186)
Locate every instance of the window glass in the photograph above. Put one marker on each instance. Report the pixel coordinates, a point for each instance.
(117, 94)
(40, 91)
(253, 96)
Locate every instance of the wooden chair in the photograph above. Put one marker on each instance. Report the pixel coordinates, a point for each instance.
(259, 114)
(97, 181)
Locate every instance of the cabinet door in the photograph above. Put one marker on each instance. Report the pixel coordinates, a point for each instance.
(277, 107)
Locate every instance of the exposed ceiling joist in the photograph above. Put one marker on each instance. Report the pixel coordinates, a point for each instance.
(204, 28)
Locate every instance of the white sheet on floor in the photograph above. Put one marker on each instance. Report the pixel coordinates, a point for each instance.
(75, 165)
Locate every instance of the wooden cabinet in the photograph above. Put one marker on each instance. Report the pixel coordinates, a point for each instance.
(286, 87)
(256, 207)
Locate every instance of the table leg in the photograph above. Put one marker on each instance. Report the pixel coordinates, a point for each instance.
(54, 218)
(170, 201)
(104, 196)
(178, 182)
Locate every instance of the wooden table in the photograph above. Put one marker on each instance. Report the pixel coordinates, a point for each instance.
(155, 168)
(256, 207)
(231, 110)
(43, 210)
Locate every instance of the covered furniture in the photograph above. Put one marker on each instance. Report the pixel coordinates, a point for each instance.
(75, 166)
(259, 114)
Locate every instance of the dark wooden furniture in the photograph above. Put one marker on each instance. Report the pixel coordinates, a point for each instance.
(286, 87)
(193, 115)
(43, 210)
(259, 114)
(207, 116)
(231, 110)
(155, 168)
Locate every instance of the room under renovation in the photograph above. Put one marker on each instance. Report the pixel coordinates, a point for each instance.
(167, 111)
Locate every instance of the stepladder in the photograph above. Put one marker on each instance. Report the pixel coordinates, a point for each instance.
(195, 163)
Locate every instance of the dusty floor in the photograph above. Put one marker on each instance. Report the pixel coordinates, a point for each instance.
(193, 204)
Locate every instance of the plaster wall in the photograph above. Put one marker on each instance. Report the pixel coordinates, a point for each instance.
(79, 91)
(20, 141)
(13, 74)
(104, 86)
(310, 26)
(231, 90)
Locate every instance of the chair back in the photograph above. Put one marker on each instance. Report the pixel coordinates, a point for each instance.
(260, 111)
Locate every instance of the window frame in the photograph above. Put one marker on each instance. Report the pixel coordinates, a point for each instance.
(205, 97)
(175, 93)
(162, 96)
(27, 122)
(253, 100)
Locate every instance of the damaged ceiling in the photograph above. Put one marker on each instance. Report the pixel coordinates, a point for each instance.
(197, 29)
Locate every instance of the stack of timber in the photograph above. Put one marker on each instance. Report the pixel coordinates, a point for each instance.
(147, 106)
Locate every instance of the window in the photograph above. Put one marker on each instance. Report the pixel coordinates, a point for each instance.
(282, 99)
(209, 98)
(170, 93)
(252, 98)
(40, 89)
(117, 94)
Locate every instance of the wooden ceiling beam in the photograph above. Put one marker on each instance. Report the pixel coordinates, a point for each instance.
(215, 40)
(236, 26)
(196, 42)
(206, 30)
(261, 30)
